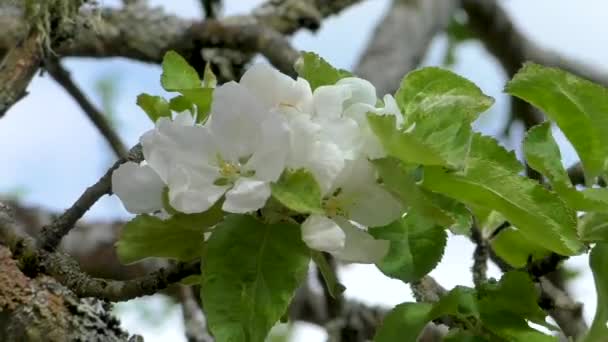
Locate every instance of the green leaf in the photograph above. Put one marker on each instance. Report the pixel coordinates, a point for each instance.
(180, 237)
(404, 323)
(299, 191)
(444, 211)
(463, 336)
(202, 98)
(194, 279)
(250, 273)
(593, 227)
(209, 78)
(579, 107)
(543, 155)
(416, 247)
(402, 145)
(598, 260)
(317, 71)
(439, 107)
(492, 313)
(178, 74)
(331, 280)
(538, 213)
(155, 106)
(499, 298)
(514, 248)
(432, 92)
(180, 103)
(488, 148)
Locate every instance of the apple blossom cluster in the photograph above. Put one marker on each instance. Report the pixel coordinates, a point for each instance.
(259, 128)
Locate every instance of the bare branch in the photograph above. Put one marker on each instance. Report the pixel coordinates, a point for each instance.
(500, 36)
(51, 235)
(480, 257)
(17, 70)
(194, 320)
(62, 76)
(401, 40)
(67, 272)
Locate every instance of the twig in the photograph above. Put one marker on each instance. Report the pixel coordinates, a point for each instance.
(62, 76)
(66, 270)
(480, 257)
(566, 312)
(245, 38)
(427, 289)
(194, 320)
(51, 235)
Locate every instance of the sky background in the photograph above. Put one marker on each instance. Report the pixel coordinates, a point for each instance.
(51, 152)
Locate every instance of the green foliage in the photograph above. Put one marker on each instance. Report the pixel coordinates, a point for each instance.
(513, 247)
(180, 237)
(489, 314)
(178, 74)
(538, 213)
(579, 107)
(250, 272)
(317, 71)
(598, 260)
(155, 106)
(404, 323)
(299, 191)
(593, 227)
(401, 181)
(416, 247)
(331, 280)
(439, 107)
(542, 154)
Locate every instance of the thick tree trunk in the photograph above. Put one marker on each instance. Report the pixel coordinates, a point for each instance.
(40, 309)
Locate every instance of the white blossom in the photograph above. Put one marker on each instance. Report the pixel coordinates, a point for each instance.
(356, 201)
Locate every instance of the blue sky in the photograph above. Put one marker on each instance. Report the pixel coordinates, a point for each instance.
(53, 153)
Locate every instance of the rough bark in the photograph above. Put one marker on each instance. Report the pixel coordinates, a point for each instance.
(41, 309)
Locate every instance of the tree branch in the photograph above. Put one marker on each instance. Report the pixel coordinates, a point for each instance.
(511, 47)
(62, 76)
(480, 257)
(51, 234)
(401, 40)
(17, 70)
(194, 321)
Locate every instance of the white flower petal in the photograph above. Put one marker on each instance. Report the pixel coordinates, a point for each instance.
(184, 118)
(359, 246)
(362, 91)
(192, 191)
(329, 101)
(322, 234)
(345, 133)
(235, 121)
(274, 88)
(326, 163)
(392, 108)
(139, 188)
(172, 143)
(247, 195)
(268, 161)
(372, 206)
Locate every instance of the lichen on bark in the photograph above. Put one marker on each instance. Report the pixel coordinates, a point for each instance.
(41, 309)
